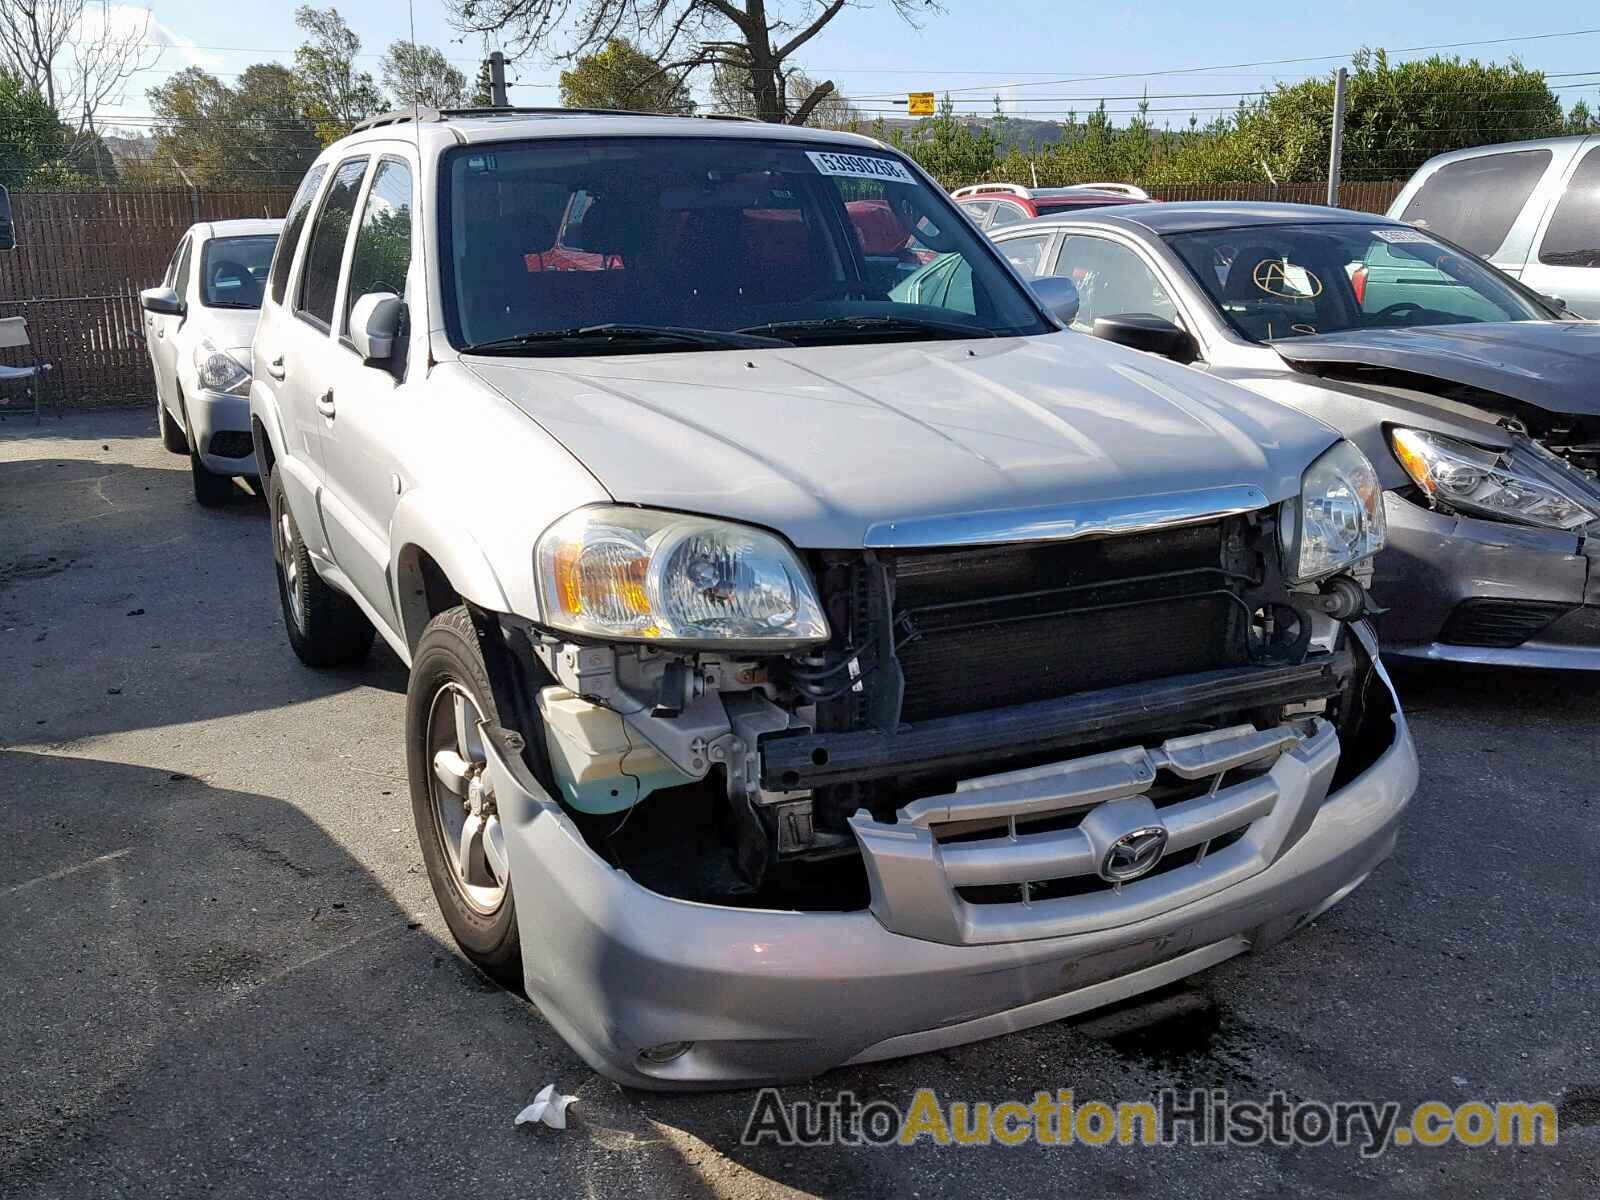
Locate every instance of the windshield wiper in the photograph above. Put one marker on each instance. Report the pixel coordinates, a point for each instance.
(871, 325)
(617, 333)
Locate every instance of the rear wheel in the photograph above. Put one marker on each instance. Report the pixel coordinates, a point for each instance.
(325, 627)
(172, 435)
(452, 796)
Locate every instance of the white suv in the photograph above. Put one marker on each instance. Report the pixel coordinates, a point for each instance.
(806, 667)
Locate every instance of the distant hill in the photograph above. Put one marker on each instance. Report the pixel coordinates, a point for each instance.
(1020, 133)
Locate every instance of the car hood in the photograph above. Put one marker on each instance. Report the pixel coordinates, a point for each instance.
(1550, 364)
(230, 329)
(918, 444)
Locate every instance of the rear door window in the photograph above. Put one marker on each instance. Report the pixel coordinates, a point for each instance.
(1475, 201)
(1006, 213)
(1026, 254)
(978, 210)
(319, 278)
(1573, 237)
(292, 225)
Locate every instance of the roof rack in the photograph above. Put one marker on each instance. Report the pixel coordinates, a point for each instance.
(1119, 189)
(982, 189)
(402, 116)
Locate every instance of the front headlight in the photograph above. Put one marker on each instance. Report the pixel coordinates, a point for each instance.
(1493, 483)
(220, 372)
(639, 574)
(1338, 519)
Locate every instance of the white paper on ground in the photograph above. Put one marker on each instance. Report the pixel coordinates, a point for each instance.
(548, 1108)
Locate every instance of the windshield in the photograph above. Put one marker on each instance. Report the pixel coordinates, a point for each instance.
(572, 246)
(1280, 281)
(234, 270)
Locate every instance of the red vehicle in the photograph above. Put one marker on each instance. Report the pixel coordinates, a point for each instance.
(992, 205)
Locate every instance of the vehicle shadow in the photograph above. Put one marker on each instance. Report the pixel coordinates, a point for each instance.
(201, 990)
(125, 605)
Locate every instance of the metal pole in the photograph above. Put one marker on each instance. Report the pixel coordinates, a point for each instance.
(1336, 151)
(497, 79)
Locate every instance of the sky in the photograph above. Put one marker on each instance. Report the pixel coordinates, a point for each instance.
(1041, 59)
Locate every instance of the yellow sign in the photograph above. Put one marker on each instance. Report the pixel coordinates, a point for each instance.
(920, 104)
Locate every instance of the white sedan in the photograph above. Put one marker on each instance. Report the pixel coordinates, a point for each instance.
(198, 325)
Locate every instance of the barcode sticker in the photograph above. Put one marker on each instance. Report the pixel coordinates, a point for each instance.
(1401, 235)
(859, 166)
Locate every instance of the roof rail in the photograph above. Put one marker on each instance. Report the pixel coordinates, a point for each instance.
(980, 189)
(1120, 189)
(423, 113)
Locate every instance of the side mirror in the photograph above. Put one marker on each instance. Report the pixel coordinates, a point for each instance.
(1155, 335)
(162, 301)
(1557, 303)
(1059, 295)
(8, 229)
(375, 326)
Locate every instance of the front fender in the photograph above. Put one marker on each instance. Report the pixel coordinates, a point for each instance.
(299, 477)
(420, 532)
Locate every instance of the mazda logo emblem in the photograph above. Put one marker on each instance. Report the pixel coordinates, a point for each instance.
(1133, 854)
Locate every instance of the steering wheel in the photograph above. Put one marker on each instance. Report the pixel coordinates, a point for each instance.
(1398, 308)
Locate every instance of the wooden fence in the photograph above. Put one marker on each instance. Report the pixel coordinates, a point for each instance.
(80, 262)
(82, 258)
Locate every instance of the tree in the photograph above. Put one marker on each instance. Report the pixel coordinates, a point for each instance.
(423, 75)
(335, 94)
(483, 86)
(620, 76)
(1397, 117)
(255, 132)
(78, 55)
(827, 108)
(1580, 119)
(30, 134)
(756, 38)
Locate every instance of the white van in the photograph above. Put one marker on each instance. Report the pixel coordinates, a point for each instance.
(1530, 208)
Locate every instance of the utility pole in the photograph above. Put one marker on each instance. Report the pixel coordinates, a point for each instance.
(1336, 151)
(497, 79)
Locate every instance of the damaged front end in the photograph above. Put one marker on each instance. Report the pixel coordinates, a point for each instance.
(1057, 743)
(742, 778)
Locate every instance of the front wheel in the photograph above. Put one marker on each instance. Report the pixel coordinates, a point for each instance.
(452, 796)
(211, 490)
(172, 435)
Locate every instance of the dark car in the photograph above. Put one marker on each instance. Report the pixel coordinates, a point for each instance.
(1475, 397)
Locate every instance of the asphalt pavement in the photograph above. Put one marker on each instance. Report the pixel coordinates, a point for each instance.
(222, 971)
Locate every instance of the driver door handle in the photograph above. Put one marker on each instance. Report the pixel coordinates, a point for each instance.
(325, 404)
(275, 368)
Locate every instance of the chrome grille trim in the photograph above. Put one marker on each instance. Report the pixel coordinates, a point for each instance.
(914, 876)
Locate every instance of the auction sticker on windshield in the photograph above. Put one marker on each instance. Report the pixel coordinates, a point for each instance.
(859, 166)
(1401, 235)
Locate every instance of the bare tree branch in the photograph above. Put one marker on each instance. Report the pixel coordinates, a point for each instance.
(818, 94)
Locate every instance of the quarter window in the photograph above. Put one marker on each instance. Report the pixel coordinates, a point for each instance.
(1573, 238)
(319, 278)
(382, 254)
(1112, 280)
(1475, 201)
(292, 225)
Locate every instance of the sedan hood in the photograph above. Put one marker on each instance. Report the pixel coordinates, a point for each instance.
(918, 444)
(1552, 365)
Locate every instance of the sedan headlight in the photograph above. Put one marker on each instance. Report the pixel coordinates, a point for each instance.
(1491, 483)
(1338, 519)
(638, 574)
(219, 371)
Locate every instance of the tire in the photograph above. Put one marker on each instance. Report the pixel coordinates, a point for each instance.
(447, 660)
(212, 491)
(325, 627)
(172, 435)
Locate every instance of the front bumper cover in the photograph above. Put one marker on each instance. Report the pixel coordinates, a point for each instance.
(774, 995)
(1434, 562)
